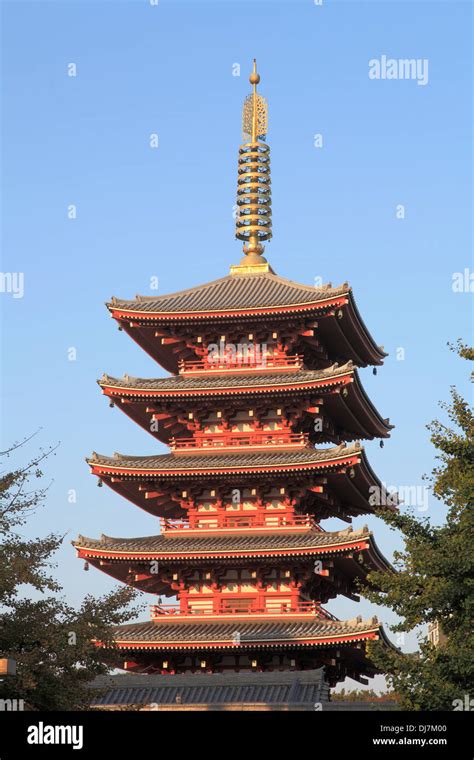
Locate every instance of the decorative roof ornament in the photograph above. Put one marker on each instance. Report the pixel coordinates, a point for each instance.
(254, 213)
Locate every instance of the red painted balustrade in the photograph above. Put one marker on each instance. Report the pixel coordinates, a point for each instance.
(238, 438)
(233, 607)
(248, 361)
(228, 520)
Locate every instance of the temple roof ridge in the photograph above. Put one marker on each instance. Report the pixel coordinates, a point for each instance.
(322, 453)
(250, 631)
(226, 544)
(323, 290)
(322, 536)
(333, 369)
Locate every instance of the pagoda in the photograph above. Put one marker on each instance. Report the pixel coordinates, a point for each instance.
(262, 412)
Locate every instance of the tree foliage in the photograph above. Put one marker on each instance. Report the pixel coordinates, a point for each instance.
(435, 579)
(51, 641)
(363, 695)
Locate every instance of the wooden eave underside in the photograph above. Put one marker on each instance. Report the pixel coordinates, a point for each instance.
(355, 413)
(297, 642)
(204, 555)
(348, 338)
(353, 491)
(119, 563)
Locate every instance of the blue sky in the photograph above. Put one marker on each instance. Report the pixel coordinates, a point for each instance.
(167, 212)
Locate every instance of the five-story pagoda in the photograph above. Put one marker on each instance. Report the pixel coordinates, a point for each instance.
(262, 413)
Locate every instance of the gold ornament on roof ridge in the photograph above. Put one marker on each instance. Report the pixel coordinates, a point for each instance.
(254, 213)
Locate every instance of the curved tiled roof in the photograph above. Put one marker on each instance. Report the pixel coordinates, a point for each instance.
(182, 383)
(163, 546)
(251, 633)
(269, 688)
(202, 462)
(218, 544)
(234, 293)
(355, 414)
(250, 297)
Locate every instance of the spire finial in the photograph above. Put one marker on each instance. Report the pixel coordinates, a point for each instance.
(254, 77)
(254, 221)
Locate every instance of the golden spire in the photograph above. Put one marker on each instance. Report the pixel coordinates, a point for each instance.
(254, 214)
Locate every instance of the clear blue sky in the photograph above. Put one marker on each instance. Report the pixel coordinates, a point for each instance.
(167, 69)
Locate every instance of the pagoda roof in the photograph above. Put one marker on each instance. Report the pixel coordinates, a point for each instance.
(314, 640)
(355, 414)
(227, 546)
(208, 383)
(278, 689)
(353, 554)
(253, 635)
(182, 384)
(249, 297)
(345, 470)
(231, 294)
(209, 463)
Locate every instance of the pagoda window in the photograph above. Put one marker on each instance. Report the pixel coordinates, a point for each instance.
(272, 521)
(280, 604)
(208, 524)
(237, 604)
(201, 605)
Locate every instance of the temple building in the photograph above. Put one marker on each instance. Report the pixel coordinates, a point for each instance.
(263, 413)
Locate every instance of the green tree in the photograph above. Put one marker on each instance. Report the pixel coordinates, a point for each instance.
(51, 641)
(435, 578)
(363, 695)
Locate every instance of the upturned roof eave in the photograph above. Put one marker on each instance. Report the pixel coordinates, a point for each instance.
(316, 632)
(207, 462)
(314, 296)
(251, 382)
(105, 546)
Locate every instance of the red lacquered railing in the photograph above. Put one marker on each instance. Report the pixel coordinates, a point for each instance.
(250, 361)
(232, 608)
(238, 438)
(226, 520)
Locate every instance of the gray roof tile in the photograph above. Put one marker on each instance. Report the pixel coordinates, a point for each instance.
(183, 383)
(163, 544)
(188, 462)
(214, 688)
(195, 633)
(233, 292)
